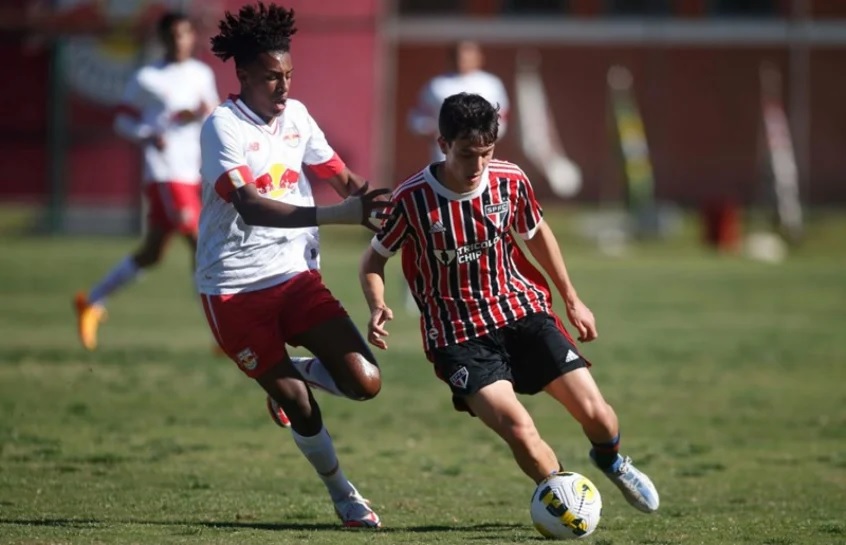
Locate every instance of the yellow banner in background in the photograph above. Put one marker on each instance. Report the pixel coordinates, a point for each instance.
(637, 165)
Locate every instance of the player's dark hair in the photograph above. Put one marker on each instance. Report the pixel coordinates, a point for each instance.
(167, 20)
(466, 115)
(258, 28)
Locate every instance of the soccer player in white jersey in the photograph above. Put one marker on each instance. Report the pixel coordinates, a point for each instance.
(258, 252)
(162, 109)
(465, 76)
(487, 320)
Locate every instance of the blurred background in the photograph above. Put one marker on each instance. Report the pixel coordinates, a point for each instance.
(689, 125)
(668, 141)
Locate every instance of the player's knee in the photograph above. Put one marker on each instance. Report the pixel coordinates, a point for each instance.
(365, 378)
(148, 257)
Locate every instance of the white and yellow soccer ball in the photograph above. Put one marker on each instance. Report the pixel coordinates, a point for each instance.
(566, 506)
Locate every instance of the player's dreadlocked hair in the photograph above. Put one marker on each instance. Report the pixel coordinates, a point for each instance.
(256, 29)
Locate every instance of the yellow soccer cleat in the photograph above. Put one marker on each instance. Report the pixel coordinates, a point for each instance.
(88, 318)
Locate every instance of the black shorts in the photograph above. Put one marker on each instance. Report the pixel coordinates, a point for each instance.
(530, 353)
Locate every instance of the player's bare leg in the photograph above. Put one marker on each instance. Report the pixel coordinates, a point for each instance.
(497, 406)
(347, 360)
(284, 386)
(90, 307)
(578, 392)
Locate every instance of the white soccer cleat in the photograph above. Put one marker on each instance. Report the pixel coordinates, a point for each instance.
(635, 485)
(355, 512)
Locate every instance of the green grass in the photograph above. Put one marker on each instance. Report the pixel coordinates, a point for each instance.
(729, 377)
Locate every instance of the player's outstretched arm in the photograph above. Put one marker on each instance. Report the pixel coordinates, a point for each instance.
(371, 274)
(357, 209)
(346, 182)
(544, 247)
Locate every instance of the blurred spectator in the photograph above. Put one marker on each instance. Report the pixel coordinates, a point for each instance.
(466, 75)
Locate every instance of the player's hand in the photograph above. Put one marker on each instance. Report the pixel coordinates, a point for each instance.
(582, 319)
(376, 326)
(373, 209)
(185, 116)
(157, 141)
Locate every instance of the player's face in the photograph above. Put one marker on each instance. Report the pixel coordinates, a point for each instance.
(466, 160)
(265, 83)
(468, 57)
(179, 41)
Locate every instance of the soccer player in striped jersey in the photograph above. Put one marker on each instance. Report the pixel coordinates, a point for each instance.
(486, 312)
(163, 106)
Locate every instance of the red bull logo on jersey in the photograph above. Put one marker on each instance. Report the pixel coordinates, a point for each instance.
(278, 181)
(291, 136)
(247, 359)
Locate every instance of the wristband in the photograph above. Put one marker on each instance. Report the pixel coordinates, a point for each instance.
(348, 212)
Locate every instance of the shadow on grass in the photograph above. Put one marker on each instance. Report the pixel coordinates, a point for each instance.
(272, 526)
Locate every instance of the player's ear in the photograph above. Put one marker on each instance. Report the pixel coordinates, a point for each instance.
(241, 74)
(442, 143)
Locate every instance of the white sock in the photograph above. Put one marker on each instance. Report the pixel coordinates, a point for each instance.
(122, 274)
(316, 375)
(320, 452)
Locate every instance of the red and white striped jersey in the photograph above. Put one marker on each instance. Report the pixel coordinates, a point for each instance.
(459, 255)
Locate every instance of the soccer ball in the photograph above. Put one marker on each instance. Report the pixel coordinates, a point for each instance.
(566, 506)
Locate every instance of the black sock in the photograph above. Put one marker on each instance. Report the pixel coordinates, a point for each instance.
(605, 454)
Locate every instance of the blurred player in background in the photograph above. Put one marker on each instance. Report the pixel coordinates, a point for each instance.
(465, 76)
(162, 110)
(259, 253)
(487, 319)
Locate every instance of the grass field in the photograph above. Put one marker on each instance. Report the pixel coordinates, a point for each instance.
(729, 377)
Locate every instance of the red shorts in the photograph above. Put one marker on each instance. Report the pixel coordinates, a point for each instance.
(173, 206)
(253, 327)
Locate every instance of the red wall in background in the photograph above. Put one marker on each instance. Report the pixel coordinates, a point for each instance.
(700, 105)
(23, 133)
(338, 77)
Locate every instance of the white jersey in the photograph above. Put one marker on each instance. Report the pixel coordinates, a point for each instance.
(151, 104)
(238, 148)
(424, 118)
